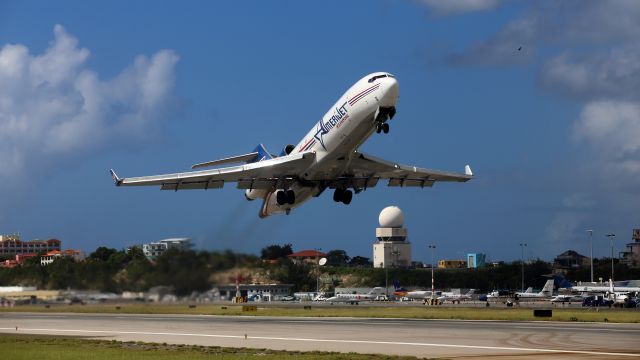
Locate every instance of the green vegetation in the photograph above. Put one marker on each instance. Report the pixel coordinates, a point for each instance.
(187, 272)
(407, 312)
(29, 347)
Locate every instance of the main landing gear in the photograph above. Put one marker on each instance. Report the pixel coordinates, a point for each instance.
(382, 128)
(382, 115)
(343, 196)
(286, 197)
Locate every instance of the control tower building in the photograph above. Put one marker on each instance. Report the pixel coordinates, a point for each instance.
(392, 248)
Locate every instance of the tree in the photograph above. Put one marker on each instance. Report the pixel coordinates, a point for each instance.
(337, 258)
(360, 261)
(102, 253)
(274, 252)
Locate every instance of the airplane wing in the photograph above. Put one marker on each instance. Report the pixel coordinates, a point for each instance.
(365, 171)
(267, 174)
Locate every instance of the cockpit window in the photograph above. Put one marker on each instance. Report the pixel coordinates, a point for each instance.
(377, 77)
(391, 76)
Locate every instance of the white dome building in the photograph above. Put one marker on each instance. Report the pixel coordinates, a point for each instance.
(391, 216)
(392, 248)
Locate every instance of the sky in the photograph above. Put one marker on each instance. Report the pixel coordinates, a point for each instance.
(541, 98)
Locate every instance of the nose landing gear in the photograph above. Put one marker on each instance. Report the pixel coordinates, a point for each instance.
(382, 115)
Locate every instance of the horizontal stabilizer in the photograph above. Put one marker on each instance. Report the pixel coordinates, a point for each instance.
(230, 160)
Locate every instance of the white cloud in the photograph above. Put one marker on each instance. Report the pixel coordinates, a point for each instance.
(553, 23)
(613, 129)
(612, 75)
(53, 108)
(450, 7)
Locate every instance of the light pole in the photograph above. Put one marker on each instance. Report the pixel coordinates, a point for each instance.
(611, 237)
(318, 271)
(591, 252)
(394, 252)
(522, 246)
(433, 288)
(386, 278)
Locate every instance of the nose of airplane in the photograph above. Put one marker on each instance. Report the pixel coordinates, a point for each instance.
(390, 92)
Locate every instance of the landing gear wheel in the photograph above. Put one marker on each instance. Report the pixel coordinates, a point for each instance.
(346, 197)
(291, 197)
(337, 195)
(378, 128)
(385, 128)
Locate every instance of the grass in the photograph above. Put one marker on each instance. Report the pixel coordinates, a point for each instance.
(413, 312)
(17, 347)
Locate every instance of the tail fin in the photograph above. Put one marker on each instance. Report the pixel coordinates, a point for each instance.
(397, 287)
(560, 281)
(548, 287)
(263, 154)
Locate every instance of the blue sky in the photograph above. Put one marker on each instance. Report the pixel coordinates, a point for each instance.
(551, 131)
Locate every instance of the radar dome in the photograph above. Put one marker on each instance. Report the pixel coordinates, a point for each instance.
(391, 216)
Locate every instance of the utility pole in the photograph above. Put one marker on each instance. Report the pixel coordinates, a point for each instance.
(433, 287)
(395, 252)
(522, 246)
(611, 237)
(386, 278)
(591, 252)
(317, 271)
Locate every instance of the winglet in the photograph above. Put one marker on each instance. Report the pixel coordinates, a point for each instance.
(467, 170)
(115, 177)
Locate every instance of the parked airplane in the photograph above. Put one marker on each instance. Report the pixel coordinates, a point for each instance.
(619, 297)
(414, 294)
(448, 296)
(547, 292)
(326, 157)
(568, 298)
(354, 299)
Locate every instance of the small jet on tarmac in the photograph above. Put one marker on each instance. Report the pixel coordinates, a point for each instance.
(327, 157)
(376, 293)
(456, 297)
(547, 292)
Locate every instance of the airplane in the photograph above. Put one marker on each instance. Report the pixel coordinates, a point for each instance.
(327, 157)
(423, 295)
(453, 297)
(399, 291)
(619, 297)
(568, 298)
(547, 292)
(354, 299)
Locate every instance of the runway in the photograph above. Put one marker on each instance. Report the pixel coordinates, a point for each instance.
(423, 338)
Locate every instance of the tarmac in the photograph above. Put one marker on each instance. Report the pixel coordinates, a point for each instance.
(422, 338)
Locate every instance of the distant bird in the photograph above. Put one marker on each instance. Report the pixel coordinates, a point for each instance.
(520, 48)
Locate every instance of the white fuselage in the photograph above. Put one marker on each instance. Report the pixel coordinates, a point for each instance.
(355, 298)
(347, 124)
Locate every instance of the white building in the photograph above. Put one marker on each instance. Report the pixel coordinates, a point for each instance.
(51, 256)
(155, 249)
(392, 248)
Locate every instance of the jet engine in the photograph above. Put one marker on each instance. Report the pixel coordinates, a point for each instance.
(270, 205)
(253, 194)
(287, 150)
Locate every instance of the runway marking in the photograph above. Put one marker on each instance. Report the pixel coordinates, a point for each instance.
(505, 348)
